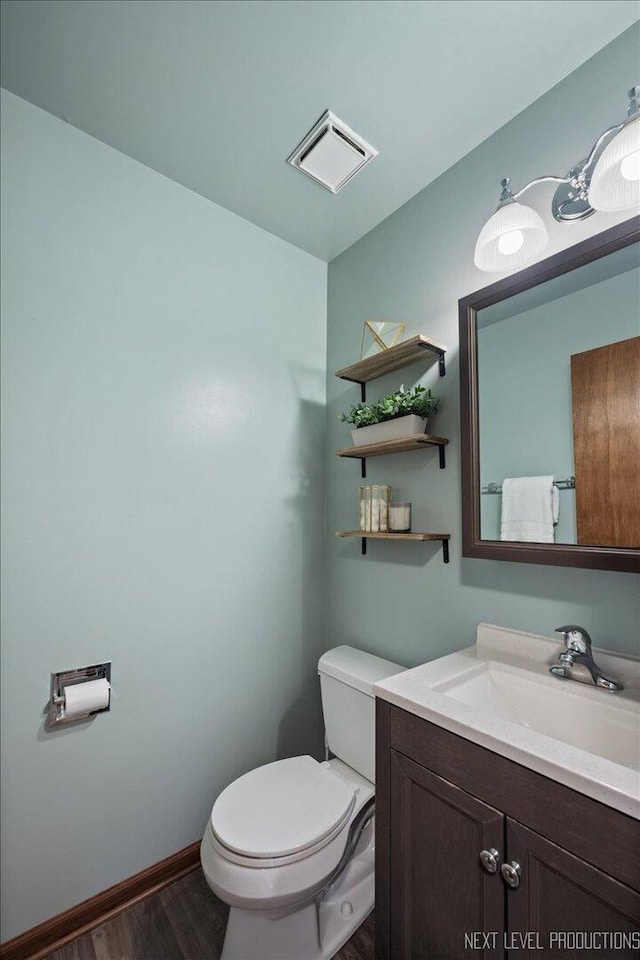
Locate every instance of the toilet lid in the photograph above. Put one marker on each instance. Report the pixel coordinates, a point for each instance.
(281, 808)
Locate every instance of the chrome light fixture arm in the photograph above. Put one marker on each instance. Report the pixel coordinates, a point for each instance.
(532, 183)
(571, 199)
(576, 183)
(600, 141)
(596, 179)
(572, 203)
(579, 177)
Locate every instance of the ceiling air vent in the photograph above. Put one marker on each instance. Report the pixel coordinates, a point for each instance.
(331, 153)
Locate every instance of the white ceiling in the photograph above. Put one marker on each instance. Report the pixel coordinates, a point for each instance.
(215, 95)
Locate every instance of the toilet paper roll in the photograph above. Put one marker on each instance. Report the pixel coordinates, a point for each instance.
(83, 698)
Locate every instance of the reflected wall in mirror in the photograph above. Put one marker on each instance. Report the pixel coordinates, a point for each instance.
(550, 390)
(543, 392)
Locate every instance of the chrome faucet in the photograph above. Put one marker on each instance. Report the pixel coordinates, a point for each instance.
(577, 649)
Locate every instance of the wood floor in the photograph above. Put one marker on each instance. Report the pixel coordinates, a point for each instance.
(185, 921)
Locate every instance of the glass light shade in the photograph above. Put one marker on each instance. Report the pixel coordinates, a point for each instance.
(514, 234)
(615, 184)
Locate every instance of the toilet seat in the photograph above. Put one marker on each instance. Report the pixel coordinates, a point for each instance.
(281, 812)
(278, 883)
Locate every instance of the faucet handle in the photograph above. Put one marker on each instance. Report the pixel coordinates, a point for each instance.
(576, 639)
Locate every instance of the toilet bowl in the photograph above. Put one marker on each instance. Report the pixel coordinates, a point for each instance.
(290, 845)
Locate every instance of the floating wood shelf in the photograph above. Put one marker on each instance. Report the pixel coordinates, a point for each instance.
(404, 353)
(418, 441)
(401, 355)
(365, 535)
(374, 535)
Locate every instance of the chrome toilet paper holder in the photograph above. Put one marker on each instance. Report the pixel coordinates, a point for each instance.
(66, 678)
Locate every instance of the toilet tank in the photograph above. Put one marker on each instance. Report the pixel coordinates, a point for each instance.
(347, 677)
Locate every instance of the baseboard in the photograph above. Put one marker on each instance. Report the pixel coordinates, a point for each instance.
(49, 936)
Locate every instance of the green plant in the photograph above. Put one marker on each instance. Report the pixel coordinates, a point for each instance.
(420, 402)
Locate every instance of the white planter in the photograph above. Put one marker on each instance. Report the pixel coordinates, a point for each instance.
(389, 430)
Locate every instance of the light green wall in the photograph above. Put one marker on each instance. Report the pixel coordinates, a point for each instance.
(524, 371)
(400, 600)
(163, 421)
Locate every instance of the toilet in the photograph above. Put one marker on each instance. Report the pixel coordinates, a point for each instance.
(290, 845)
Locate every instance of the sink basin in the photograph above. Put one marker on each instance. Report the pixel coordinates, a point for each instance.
(555, 708)
(500, 694)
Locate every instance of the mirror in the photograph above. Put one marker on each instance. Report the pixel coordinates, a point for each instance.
(550, 389)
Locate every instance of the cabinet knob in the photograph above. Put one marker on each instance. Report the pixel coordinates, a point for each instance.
(490, 859)
(511, 874)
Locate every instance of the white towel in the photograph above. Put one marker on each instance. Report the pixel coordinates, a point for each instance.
(530, 507)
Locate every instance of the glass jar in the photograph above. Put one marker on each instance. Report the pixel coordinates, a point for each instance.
(400, 517)
(380, 497)
(364, 502)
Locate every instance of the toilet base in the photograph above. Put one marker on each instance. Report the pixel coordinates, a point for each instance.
(314, 931)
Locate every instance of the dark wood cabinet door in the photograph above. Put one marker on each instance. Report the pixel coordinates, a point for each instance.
(439, 891)
(562, 901)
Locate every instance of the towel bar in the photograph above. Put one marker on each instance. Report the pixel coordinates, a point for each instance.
(568, 484)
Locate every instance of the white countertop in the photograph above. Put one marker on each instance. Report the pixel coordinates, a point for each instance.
(574, 733)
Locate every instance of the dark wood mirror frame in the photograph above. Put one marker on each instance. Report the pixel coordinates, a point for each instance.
(563, 555)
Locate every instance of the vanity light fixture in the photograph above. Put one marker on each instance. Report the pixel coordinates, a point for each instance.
(608, 180)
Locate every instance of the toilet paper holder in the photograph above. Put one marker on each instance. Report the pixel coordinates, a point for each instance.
(65, 678)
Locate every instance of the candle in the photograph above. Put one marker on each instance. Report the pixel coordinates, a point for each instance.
(400, 517)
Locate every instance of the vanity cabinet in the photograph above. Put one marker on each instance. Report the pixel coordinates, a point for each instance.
(441, 802)
(560, 892)
(437, 832)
